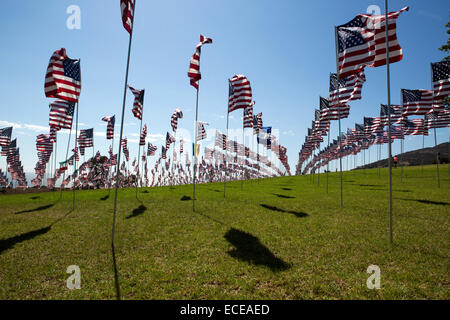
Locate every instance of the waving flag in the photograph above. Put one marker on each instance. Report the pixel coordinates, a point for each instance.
(61, 114)
(248, 116)
(86, 138)
(181, 146)
(441, 80)
(416, 102)
(44, 144)
(138, 104)
(127, 10)
(345, 89)
(63, 77)
(177, 114)
(437, 119)
(239, 93)
(5, 136)
(151, 149)
(110, 127)
(201, 132)
(143, 136)
(194, 66)
(169, 140)
(257, 123)
(362, 42)
(415, 127)
(336, 112)
(397, 115)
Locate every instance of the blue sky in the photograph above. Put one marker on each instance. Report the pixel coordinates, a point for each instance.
(285, 48)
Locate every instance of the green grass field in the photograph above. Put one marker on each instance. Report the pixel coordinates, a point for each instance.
(280, 238)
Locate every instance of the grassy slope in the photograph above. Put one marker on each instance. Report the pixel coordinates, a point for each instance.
(281, 238)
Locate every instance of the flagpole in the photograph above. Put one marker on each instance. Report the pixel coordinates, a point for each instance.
(65, 163)
(120, 149)
(339, 110)
(401, 166)
(423, 146)
(139, 152)
(328, 156)
(195, 145)
(389, 115)
(437, 158)
(75, 160)
(56, 150)
(226, 153)
(243, 143)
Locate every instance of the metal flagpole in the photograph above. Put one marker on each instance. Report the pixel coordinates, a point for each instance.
(195, 146)
(389, 115)
(243, 143)
(423, 146)
(65, 164)
(339, 111)
(437, 159)
(112, 153)
(75, 160)
(328, 156)
(139, 152)
(119, 153)
(401, 166)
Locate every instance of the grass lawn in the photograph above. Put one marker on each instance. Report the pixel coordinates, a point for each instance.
(279, 238)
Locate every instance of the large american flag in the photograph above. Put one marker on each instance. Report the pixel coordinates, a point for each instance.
(441, 80)
(248, 116)
(345, 89)
(86, 138)
(5, 136)
(415, 127)
(239, 93)
(416, 102)
(177, 114)
(362, 42)
(44, 144)
(61, 114)
(194, 66)
(143, 136)
(151, 149)
(336, 112)
(138, 104)
(127, 10)
(63, 77)
(110, 127)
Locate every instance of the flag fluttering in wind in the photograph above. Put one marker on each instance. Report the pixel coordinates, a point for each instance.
(345, 89)
(257, 123)
(248, 116)
(335, 112)
(239, 93)
(415, 127)
(441, 80)
(143, 136)
(63, 77)
(201, 131)
(177, 114)
(362, 42)
(138, 104)
(110, 127)
(397, 114)
(127, 10)
(263, 136)
(151, 149)
(5, 136)
(169, 140)
(194, 66)
(416, 102)
(181, 146)
(86, 138)
(61, 114)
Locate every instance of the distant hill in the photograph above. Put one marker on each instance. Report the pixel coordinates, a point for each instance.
(415, 157)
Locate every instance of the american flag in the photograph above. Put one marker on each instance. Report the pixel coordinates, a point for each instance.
(201, 132)
(177, 114)
(63, 78)
(441, 80)
(163, 152)
(10, 148)
(61, 114)
(263, 136)
(397, 116)
(194, 66)
(181, 146)
(220, 140)
(43, 143)
(5, 136)
(437, 119)
(239, 93)
(248, 116)
(151, 149)
(52, 134)
(372, 125)
(86, 138)
(127, 10)
(257, 123)
(362, 42)
(169, 139)
(138, 104)
(336, 112)
(397, 132)
(345, 89)
(416, 102)
(124, 144)
(110, 127)
(143, 136)
(415, 127)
